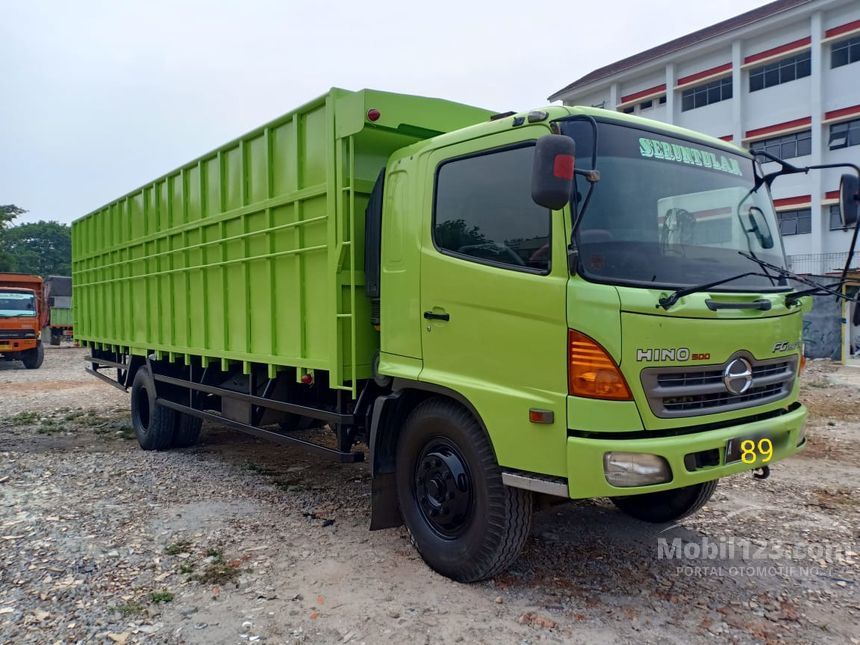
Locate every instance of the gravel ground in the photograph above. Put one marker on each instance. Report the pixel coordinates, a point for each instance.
(240, 541)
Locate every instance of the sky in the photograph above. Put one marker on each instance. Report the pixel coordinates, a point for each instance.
(99, 97)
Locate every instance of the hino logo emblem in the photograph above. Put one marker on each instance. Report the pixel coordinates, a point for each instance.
(737, 377)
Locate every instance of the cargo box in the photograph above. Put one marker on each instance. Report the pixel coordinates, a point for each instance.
(254, 252)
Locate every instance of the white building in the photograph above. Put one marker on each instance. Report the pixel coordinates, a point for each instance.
(784, 77)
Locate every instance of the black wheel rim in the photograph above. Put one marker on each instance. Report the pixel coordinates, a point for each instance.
(443, 488)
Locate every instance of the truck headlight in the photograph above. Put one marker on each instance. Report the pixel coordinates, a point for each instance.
(625, 469)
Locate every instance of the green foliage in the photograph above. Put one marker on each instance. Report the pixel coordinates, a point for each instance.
(131, 608)
(455, 234)
(183, 546)
(42, 248)
(161, 596)
(24, 418)
(8, 212)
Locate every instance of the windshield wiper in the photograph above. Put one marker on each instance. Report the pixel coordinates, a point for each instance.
(816, 289)
(667, 301)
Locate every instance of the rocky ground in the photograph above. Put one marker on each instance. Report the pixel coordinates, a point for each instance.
(240, 541)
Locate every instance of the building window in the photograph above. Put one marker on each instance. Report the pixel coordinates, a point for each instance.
(646, 105)
(662, 99)
(845, 52)
(781, 71)
(845, 134)
(786, 147)
(835, 219)
(795, 222)
(484, 211)
(703, 95)
(628, 110)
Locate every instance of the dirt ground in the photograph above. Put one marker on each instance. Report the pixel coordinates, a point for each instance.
(240, 541)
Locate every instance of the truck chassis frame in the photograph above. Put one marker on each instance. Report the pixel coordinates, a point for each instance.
(255, 401)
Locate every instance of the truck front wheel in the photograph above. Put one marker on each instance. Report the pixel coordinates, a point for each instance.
(465, 523)
(33, 358)
(153, 424)
(666, 505)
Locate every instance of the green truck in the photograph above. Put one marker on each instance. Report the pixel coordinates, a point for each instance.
(501, 308)
(58, 293)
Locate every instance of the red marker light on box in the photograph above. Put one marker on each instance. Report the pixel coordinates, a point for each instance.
(562, 167)
(373, 114)
(307, 379)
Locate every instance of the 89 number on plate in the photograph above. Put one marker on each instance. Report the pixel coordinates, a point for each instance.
(749, 450)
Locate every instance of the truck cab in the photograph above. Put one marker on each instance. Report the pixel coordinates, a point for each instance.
(22, 314)
(569, 348)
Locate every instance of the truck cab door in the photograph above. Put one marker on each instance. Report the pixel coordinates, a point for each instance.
(493, 290)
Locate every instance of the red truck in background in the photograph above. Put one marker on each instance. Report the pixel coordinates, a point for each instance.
(23, 314)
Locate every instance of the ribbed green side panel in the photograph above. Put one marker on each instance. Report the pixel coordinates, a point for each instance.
(253, 252)
(61, 317)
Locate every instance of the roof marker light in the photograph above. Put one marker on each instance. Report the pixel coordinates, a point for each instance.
(373, 114)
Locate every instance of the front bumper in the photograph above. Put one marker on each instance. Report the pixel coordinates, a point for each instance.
(17, 345)
(585, 455)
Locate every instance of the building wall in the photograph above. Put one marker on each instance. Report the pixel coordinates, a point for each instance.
(823, 91)
(822, 329)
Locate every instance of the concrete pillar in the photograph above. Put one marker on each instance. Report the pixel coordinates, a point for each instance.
(671, 114)
(738, 76)
(613, 96)
(820, 223)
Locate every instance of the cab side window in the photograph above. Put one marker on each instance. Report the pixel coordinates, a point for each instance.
(484, 212)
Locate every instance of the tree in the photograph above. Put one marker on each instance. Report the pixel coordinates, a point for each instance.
(8, 213)
(42, 248)
(454, 234)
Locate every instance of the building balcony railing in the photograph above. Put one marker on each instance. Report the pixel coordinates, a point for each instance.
(822, 263)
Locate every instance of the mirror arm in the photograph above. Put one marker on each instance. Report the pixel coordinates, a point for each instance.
(785, 168)
(789, 169)
(591, 176)
(852, 166)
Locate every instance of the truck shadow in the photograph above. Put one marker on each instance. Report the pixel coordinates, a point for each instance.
(578, 549)
(588, 550)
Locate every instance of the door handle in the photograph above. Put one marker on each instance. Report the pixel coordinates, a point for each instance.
(430, 315)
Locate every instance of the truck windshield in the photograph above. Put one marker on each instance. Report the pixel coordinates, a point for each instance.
(14, 304)
(670, 212)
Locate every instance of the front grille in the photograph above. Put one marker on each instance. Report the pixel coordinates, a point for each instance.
(681, 392)
(17, 333)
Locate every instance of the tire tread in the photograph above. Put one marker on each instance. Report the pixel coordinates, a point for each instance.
(509, 509)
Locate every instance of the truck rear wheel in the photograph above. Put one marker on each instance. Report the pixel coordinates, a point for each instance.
(465, 523)
(33, 358)
(666, 505)
(153, 424)
(187, 431)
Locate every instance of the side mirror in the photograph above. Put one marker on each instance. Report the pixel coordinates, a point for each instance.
(759, 226)
(552, 171)
(849, 199)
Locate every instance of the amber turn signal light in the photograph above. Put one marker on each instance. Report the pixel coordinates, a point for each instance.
(591, 371)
